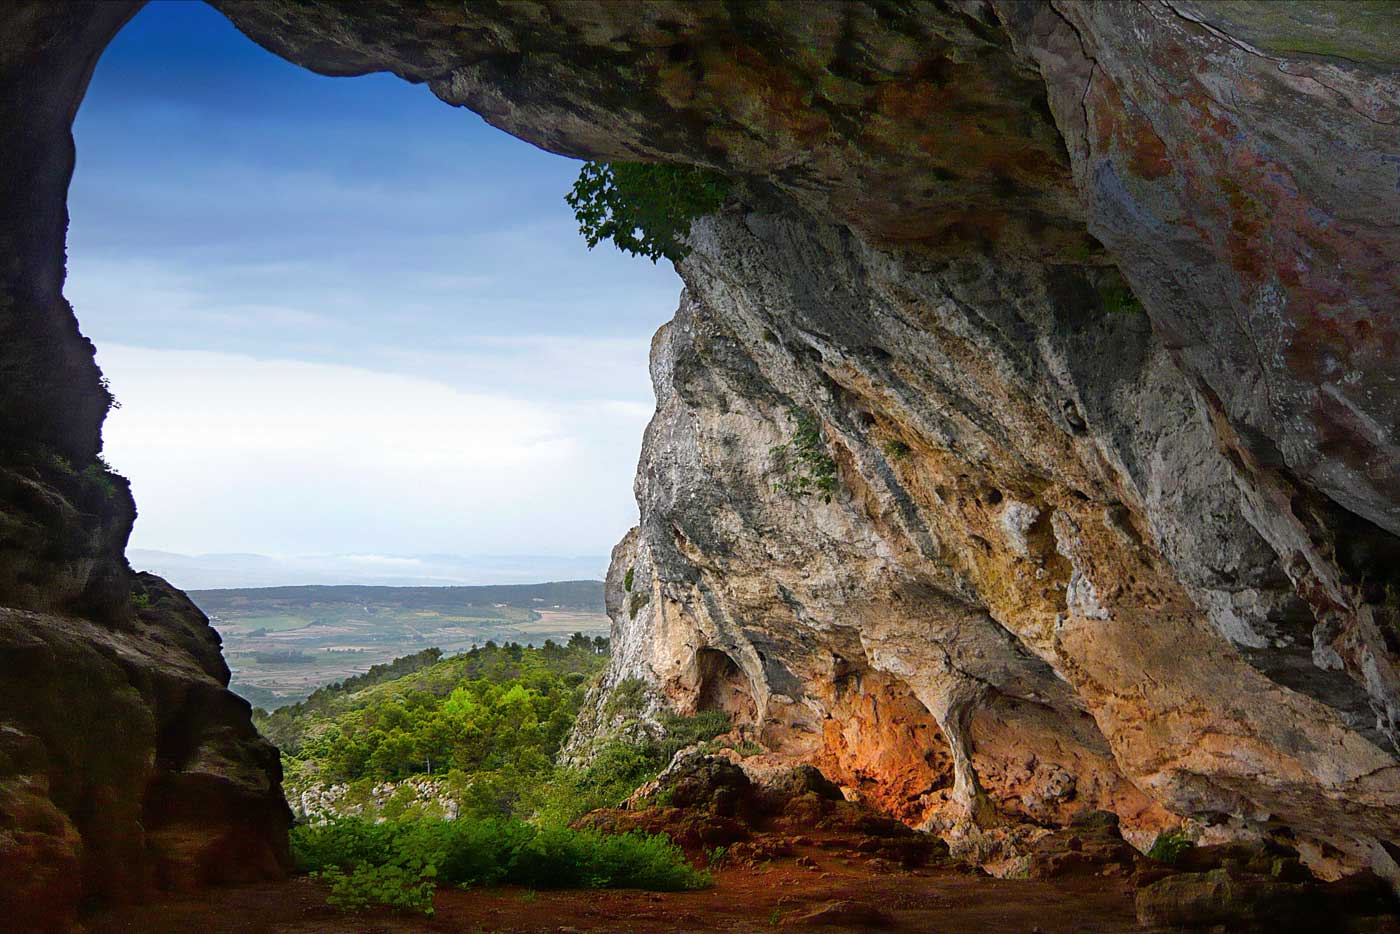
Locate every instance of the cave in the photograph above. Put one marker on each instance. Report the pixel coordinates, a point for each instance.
(921, 191)
(722, 685)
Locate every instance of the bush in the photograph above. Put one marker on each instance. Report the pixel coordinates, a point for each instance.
(628, 698)
(895, 449)
(686, 731)
(343, 844)
(389, 886)
(393, 863)
(559, 857)
(645, 209)
(1170, 846)
(804, 462)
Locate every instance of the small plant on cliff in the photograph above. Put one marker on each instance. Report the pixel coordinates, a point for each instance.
(644, 208)
(140, 600)
(627, 579)
(99, 475)
(1116, 296)
(895, 449)
(112, 403)
(628, 698)
(639, 600)
(1170, 846)
(806, 466)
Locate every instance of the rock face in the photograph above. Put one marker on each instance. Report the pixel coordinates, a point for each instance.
(1088, 310)
(126, 765)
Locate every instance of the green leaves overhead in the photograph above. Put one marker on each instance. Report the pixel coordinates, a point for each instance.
(645, 209)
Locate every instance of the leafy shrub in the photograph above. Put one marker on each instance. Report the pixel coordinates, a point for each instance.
(627, 698)
(1170, 846)
(390, 886)
(627, 579)
(806, 465)
(393, 863)
(620, 767)
(140, 600)
(344, 844)
(643, 208)
(895, 449)
(99, 475)
(687, 731)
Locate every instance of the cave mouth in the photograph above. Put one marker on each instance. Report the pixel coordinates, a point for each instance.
(319, 297)
(722, 685)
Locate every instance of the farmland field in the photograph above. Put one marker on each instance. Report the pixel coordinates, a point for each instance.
(281, 643)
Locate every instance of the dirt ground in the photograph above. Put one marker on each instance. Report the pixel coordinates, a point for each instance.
(855, 893)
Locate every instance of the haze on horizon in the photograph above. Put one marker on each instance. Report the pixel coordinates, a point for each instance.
(344, 318)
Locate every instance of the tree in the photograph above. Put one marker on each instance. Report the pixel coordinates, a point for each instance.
(644, 208)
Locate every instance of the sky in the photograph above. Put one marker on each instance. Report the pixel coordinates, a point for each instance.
(343, 317)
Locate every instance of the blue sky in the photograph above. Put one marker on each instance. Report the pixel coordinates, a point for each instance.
(344, 317)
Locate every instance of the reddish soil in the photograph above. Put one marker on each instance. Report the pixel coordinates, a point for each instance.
(878, 895)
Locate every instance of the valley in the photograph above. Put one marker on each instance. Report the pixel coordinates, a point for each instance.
(282, 643)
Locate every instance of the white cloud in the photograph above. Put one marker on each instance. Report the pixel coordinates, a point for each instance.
(231, 453)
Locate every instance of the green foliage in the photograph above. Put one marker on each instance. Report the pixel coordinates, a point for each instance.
(388, 886)
(395, 859)
(619, 767)
(493, 737)
(687, 731)
(895, 449)
(645, 209)
(627, 579)
(1170, 846)
(806, 465)
(627, 698)
(490, 708)
(62, 464)
(99, 475)
(1116, 296)
(140, 600)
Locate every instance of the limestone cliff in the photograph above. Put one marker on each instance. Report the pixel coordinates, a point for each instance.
(1090, 309)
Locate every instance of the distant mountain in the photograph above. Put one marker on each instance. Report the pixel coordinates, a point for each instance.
(568, 595)
(211, 571)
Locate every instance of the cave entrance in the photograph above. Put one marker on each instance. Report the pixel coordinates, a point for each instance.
(356, 338)
(722, 685)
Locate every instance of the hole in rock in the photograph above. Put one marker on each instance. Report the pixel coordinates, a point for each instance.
(356, 338)
(723, 686)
